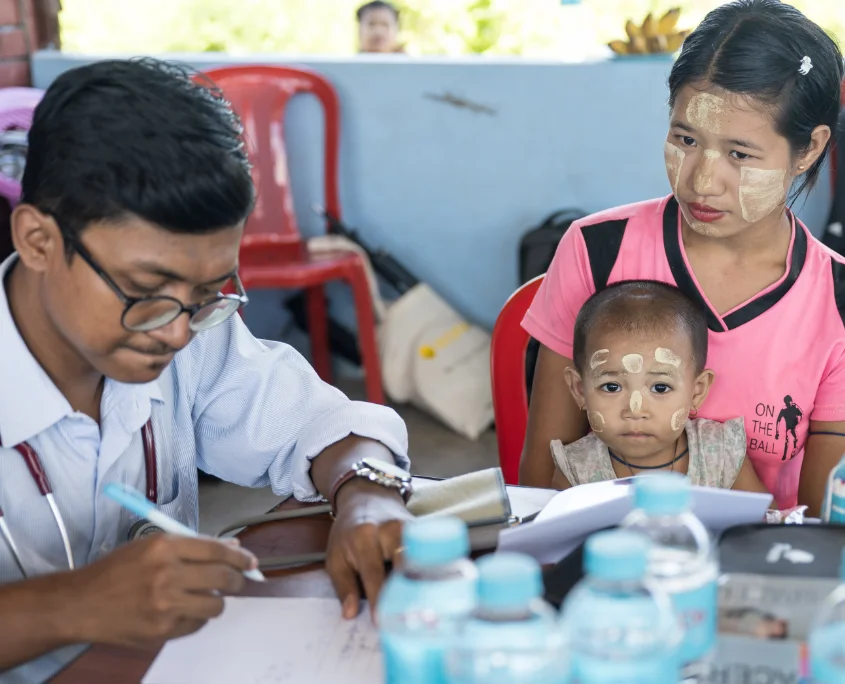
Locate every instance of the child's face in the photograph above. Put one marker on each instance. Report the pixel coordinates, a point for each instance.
(638, 392)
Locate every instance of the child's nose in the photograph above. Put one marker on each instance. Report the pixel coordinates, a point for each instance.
(635, 408)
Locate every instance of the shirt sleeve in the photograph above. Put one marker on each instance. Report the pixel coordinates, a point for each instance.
(568, 284)
(829, 406)
(261, 413)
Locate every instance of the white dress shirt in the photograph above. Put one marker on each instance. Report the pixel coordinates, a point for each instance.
(250, 412)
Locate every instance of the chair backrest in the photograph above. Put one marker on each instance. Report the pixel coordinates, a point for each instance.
(507, 372)
(259, 95)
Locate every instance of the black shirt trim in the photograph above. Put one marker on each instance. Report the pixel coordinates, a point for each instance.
(757, 306)
(603, 241)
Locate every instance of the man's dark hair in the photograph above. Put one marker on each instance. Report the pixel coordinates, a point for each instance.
(123, 138)
(640, 306)
(755, 48)
(376, 5)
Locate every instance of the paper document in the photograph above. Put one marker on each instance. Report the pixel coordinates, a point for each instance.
(573, 514)
(274, 640)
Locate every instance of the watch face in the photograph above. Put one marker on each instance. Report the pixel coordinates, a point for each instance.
(389, 469)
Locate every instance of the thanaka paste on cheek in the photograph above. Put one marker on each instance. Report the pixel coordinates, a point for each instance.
(598, 358)
(633, 363)
(667, 356)
(596, 421)
(679, 419)
(761, 191)
(674, 158)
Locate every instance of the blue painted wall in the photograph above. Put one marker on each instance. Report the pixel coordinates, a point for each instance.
(450, 191)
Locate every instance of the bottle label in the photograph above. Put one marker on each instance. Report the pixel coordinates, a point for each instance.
(413, 660)
(696, 609)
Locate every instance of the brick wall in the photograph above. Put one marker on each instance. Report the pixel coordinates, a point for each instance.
(25, 26)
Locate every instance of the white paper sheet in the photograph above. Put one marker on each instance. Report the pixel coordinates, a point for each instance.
(572, 515)
(274, 641)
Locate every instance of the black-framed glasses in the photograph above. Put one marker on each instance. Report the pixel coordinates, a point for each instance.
(143, 314)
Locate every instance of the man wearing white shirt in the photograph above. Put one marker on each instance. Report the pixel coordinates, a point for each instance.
(120, 361)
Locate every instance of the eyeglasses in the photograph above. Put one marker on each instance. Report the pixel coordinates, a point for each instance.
(143, 314)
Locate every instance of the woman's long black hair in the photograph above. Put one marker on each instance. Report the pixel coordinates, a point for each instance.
(755, 48)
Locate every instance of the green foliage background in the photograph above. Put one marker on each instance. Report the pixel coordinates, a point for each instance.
(532, 28)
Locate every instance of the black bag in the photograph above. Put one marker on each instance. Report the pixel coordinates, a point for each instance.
(537, 247)
(834, 234)
(536, 251)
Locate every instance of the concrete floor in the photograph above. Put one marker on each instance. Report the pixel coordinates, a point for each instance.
(435, 451)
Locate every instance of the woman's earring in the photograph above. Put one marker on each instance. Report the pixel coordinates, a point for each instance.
(693, 412)
(800, 167)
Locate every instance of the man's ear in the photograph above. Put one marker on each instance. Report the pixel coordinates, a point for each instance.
(576, 385)
(701, 388)
(35, 236)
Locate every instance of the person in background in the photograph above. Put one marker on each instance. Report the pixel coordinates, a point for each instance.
(378, 27)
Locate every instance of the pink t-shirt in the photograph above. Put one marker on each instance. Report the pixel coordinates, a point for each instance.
(779, 358)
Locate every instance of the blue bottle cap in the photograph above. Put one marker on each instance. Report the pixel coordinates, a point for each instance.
(508, 581)
(435, 541)
(662, 494)
(616, 555)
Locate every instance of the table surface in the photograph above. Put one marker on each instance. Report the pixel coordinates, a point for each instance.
(119, 665)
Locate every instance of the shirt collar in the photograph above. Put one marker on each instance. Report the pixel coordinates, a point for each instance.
(29, 401)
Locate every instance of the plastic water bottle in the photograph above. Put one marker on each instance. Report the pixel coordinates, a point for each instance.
(422, 601)
(620, 626)
(513, 634)
(682, 561)
(827, 637)
(833, 506)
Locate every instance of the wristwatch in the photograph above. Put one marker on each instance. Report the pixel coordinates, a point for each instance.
(387, 475)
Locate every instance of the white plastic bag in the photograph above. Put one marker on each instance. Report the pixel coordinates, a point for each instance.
(435, 360)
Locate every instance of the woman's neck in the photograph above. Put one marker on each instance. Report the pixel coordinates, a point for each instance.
(75, 378)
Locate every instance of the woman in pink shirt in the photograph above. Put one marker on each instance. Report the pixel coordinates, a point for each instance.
(754, 98)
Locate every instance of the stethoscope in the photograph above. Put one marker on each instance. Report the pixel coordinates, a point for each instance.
(39, 475)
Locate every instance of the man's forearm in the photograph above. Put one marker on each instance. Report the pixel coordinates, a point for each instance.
(35, 618)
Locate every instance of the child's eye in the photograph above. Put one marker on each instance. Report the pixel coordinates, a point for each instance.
(611, 387)
(661, 388)
(687, 140)
(740, 156)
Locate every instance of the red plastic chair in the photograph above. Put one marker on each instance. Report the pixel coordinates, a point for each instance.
(507, 373)
(273, 253)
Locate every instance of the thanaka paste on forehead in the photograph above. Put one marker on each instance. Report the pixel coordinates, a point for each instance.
(596, 421)
(679, 419)
(598, 358)
(633, 363)
(760, 192)
(705, 111)
(667, 356)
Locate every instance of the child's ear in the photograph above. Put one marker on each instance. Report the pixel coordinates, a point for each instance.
(576, 385)
(702, 387)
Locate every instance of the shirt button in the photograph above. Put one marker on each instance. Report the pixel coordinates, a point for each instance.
(106, 547)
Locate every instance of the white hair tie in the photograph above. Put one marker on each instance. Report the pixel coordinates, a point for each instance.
(806, 65)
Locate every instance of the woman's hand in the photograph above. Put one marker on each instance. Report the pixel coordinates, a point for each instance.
(552, 414)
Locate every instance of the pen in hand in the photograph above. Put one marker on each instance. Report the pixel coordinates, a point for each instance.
(136, 503)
